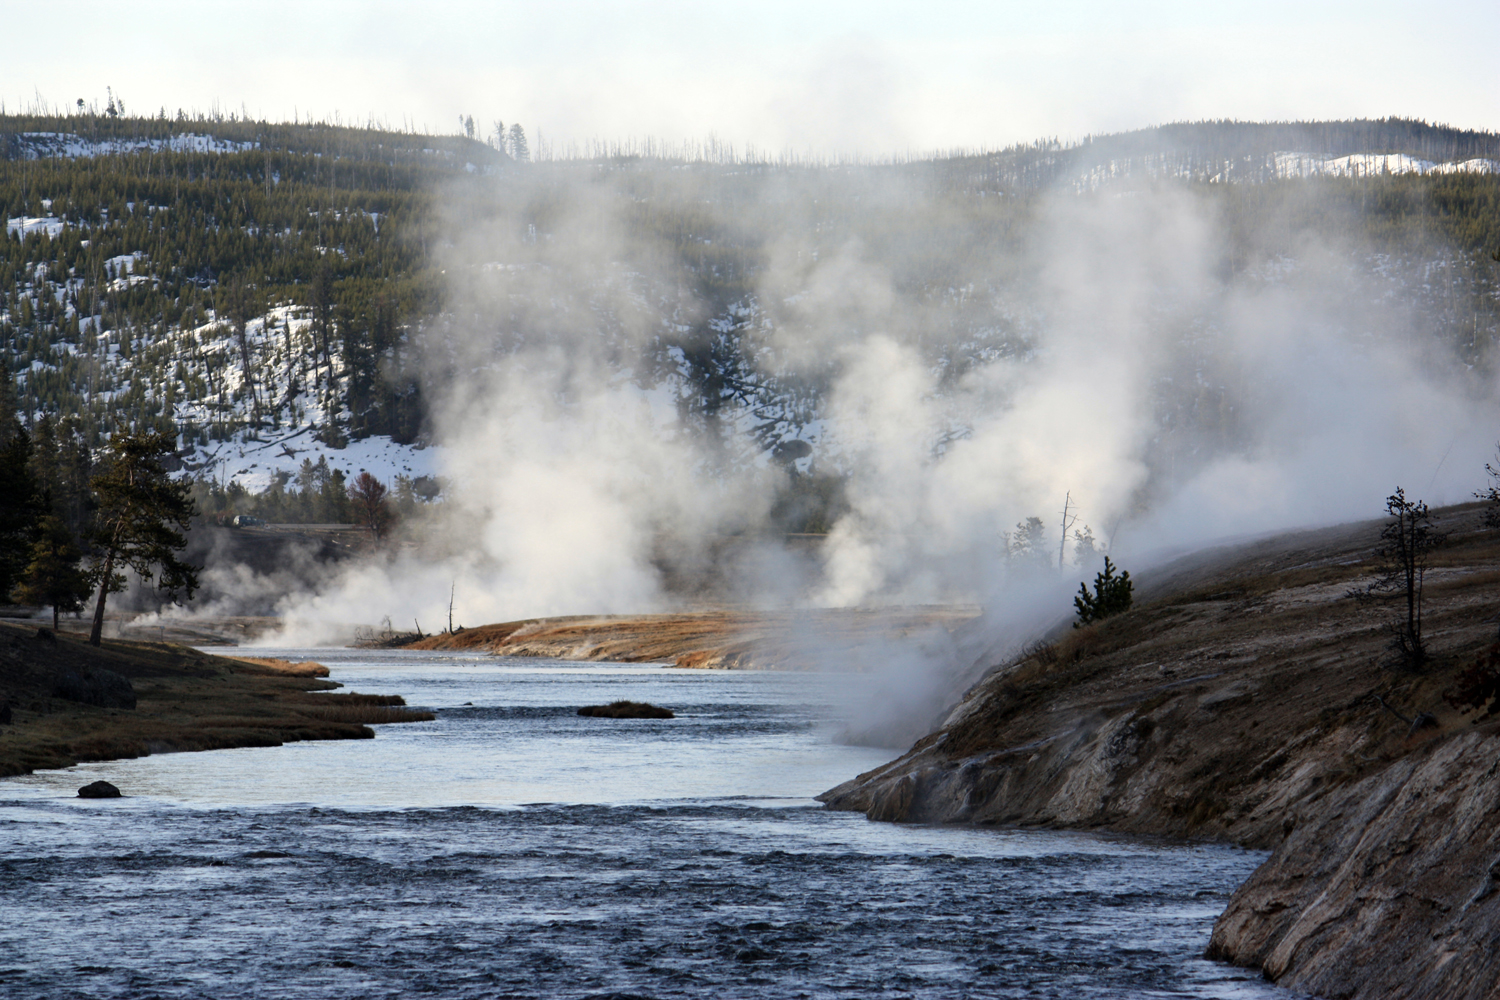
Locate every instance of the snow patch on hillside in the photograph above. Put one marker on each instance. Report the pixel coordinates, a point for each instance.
(278, 408)
(26, 225)
(255, 462)
(1374, 165)
(1282, 165)
(64, 144)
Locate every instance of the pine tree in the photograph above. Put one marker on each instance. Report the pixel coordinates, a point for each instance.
(333, 497)
(516, 144)
(53, 576)
(1407, 544)
(1111, 596)
(140, 508)
(10, 423)
(1027, 545)
(21, 510)
(322, 306)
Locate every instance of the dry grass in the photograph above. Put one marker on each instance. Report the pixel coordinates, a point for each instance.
(627, 710)
(366, 715)
(186, 700)
(363, 709)
(305, 668)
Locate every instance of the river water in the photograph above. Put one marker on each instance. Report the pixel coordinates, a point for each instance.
(513, 849)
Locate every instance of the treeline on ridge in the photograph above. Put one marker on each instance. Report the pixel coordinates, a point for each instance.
(293, 278)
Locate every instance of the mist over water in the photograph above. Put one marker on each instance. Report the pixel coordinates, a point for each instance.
(625, 346)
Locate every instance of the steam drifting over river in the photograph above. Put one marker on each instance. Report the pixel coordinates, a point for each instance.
(1184, 366)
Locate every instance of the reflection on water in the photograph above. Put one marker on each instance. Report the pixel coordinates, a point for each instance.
(512, 848)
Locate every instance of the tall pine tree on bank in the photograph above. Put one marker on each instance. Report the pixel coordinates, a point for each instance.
(141, 510)
(21, 507)
(53, 576)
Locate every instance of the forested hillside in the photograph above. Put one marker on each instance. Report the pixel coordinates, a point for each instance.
(276, 295)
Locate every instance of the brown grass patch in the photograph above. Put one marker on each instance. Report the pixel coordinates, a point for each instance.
(366, 714)
(306, 668)
(185, 700)
(363, 709)
(627, 710)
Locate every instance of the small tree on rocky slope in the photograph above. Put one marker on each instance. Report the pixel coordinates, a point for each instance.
(1407, 543)
(1111, 596)
(1491, 495)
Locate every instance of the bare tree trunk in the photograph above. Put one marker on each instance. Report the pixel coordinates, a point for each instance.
(242, 334)
(97, 634)
(1067, 522)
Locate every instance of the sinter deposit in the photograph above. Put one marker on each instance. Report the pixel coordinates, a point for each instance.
(1247, 702)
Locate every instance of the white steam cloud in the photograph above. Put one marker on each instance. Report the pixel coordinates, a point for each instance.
(1114, 350)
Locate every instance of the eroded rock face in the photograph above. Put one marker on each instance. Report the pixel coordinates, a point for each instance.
(1154, 758)
(1246, 702)
(1389, 887)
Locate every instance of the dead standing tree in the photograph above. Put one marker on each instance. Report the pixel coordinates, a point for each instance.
(1069, 518)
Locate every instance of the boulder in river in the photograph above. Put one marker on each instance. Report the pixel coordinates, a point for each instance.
(627, 710)
(99, 790)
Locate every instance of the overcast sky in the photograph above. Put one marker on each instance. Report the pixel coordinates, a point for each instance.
(810, 76)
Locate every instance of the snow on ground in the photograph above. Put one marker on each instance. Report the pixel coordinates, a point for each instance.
(285, 366)
(255, 463)
(26, 225)
(1373, 165)
(64, 144)
(1282, 165)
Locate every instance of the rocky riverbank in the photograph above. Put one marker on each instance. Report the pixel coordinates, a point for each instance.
(1389, 887)
(1243, 699)
(63, 701)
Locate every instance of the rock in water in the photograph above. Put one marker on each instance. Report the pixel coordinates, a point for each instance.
(99, 790)
(627, 710)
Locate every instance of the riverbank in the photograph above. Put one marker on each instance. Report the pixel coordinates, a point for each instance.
(1243, 699)
(849, 638)
(70, 702)
(514, 848)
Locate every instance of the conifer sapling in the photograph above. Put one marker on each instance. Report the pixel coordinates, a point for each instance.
(1111, 596)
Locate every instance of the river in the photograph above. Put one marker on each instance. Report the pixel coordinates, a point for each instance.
(513, 849)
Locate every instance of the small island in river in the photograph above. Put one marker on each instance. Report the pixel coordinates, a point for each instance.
(626, 710)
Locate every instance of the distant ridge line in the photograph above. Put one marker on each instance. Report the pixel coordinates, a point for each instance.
(1221, 141)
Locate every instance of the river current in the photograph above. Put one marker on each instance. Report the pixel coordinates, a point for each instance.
(513, 849)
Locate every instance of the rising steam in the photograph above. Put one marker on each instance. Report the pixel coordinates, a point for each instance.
(1181, 382)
